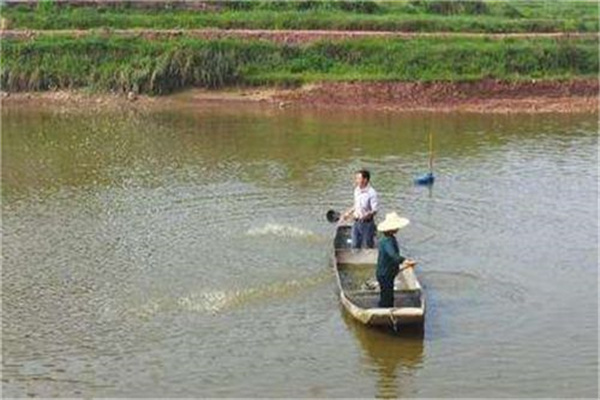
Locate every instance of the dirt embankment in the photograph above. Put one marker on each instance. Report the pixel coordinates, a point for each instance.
(482, 96)
(488, 96)
(275, 35)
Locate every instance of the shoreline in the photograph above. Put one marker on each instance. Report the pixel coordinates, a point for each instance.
(289, 36)
(488, 96)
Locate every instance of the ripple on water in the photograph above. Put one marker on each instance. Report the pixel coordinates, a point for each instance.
(168, 255)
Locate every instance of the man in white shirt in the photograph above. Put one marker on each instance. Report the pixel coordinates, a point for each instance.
(363, 212)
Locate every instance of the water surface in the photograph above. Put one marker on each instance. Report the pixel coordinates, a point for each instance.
(185, 253)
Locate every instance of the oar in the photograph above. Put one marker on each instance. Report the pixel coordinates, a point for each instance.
(333, 216)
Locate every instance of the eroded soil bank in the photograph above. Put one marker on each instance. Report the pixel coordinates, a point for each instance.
(483, 96)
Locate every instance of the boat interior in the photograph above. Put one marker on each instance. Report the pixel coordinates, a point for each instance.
(361, 287)
(356, 269)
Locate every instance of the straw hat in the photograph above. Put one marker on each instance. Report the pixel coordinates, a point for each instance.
(392, 222)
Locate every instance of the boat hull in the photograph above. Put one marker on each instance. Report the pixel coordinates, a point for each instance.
(359, 291)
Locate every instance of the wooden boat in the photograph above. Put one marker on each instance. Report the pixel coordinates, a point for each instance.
(359, 290)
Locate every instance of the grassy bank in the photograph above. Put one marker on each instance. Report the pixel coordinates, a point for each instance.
(164, 66)
(409, 15)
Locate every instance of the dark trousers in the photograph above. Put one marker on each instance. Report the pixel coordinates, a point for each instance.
(386, 285)
(363, 232)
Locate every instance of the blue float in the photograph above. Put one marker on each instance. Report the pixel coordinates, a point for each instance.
(426, 179)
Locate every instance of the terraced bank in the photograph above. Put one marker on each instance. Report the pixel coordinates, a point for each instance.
(120, 52)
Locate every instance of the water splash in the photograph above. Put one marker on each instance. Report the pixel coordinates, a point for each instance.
(283, 231)
(216, 301)
(212, 301)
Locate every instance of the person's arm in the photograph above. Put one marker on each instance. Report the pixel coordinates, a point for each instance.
(368, 216)
(346, 214)
(408, 263)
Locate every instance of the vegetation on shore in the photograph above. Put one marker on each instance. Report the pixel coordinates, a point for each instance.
(102, 62)
(164, 66)
(408, 15)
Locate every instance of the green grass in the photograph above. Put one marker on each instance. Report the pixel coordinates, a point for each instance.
(164, 66)
(409, 15)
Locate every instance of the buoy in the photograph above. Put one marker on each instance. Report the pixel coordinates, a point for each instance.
(426, 179)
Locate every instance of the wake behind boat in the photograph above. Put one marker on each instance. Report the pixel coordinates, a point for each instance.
(359, 290)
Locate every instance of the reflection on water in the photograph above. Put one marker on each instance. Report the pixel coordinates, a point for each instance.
(184, 253)
(393, 355)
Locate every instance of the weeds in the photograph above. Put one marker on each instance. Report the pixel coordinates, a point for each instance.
(163, 66)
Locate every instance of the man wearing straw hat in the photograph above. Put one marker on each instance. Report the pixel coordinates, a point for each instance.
(363, 212)
(389, 258)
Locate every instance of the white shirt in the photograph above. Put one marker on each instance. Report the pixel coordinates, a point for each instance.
(365, 200)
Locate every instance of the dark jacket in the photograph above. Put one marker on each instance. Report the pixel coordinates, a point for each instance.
(389, 258)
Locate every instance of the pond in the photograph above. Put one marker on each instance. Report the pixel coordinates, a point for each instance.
(185, 252)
